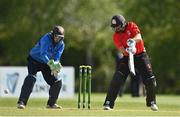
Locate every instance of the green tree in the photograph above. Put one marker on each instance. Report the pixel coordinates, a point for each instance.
(90, 37)
(87, 33)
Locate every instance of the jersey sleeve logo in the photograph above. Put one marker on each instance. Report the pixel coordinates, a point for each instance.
(129, 33)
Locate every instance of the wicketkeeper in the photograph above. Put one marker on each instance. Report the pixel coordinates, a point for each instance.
(45, 57)
(127, 39)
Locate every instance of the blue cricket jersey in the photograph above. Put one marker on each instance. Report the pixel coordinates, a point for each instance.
(45, 50)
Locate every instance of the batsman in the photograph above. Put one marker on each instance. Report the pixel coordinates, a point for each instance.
(45, 57)
(127, 39)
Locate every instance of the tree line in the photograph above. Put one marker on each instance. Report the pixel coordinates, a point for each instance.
(88, 36)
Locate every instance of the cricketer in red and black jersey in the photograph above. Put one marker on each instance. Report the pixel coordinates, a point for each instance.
(123, 32)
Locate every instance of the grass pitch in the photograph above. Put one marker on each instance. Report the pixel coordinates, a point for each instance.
(169, 105)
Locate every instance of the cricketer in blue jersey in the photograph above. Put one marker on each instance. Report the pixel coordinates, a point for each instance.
(45, 57)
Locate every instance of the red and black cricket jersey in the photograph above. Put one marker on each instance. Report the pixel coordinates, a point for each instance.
(120, 38)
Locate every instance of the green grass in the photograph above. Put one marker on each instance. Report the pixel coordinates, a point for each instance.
(169, 105)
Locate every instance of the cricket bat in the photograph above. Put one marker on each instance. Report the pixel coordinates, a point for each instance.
(131, 63)
(131, 43)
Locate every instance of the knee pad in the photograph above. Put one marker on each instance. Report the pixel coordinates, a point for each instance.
(31, 76)
(57, 84)
(151, 81)
(55, 88)
(118, 79)
(30, 79)
(119, 74)
(29, 82)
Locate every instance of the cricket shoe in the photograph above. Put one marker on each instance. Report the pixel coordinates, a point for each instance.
(21, 105)
(107, 107)
(55, 106)
(154, 107)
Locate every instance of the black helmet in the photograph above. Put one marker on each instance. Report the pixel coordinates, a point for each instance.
(58, 30)
(118, 21)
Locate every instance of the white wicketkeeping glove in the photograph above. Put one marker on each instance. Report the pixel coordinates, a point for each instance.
(54, 73)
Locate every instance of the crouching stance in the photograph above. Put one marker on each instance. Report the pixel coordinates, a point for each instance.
(45, 57)
(129, 32)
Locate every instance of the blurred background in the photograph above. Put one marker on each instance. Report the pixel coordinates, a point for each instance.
(88, 36)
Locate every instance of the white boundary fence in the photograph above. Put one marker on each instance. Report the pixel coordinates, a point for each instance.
(12, 78)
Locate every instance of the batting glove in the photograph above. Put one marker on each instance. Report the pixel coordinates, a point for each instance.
(131, 50)
(131, 43)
